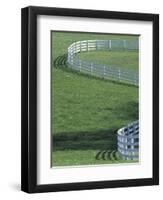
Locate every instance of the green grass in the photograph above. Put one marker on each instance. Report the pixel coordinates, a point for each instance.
(71, 157)
(87, 111)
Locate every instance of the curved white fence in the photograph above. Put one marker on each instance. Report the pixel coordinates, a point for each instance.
(128, 141)
(102, 70)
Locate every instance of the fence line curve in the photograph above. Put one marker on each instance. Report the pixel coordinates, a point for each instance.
(128, 141)
(102, 70)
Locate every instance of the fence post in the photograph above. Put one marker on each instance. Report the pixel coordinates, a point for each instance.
(80, 46)
(132, 147)
(91, 68)
(72, 57)
(75, 47)
(124, 44)
(96, 45)
(110, 44)
(119, 74)
(80, 65)
(104, 74)
(87, 45)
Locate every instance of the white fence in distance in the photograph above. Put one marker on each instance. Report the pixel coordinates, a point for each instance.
(102, 70)
(128, 141)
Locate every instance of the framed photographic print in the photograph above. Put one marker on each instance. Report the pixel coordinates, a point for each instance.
(90, 99)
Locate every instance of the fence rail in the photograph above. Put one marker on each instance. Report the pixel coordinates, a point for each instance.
(128, 141)
(102, 70)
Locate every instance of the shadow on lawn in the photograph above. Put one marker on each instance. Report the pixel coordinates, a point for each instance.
(101, 139)
(128, 111)
(61, 61)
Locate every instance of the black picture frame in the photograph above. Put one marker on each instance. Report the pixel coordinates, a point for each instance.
(29, 99)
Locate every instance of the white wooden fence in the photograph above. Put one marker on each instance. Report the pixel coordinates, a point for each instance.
(102, 70)
(128, 141)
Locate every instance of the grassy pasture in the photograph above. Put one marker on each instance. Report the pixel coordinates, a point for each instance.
(87, 111)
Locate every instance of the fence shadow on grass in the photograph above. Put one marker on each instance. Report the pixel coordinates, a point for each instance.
(101, 139)
(104, 140)
(107, 154)
(61, 63)
(127, 111)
